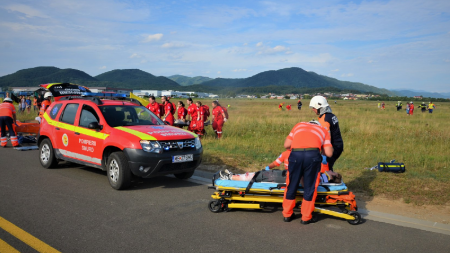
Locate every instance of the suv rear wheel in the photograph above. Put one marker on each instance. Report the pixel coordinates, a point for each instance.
(119, 174)
(47, 154)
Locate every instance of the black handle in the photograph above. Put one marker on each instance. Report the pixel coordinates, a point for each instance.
(57, 128)
(77, 133)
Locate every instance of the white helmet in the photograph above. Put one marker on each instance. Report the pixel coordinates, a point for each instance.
(314, 122)
(318, 102)
(7, 100)
(411, 102)
(48, 94)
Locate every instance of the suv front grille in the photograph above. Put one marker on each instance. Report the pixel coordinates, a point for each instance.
(177, 145)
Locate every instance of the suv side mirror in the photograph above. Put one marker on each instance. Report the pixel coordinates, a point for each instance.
(94, 125)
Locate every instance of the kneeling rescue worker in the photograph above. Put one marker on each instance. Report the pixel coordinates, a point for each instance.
(7, 119)
(306, 142)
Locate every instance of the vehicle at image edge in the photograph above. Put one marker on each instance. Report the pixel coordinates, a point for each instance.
(117, 136)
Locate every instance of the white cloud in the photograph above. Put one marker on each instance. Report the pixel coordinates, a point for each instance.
(447, 60)
(347, 75)
(245, 44)
(240, 70)
(134, 56)
(218, 72)
(102, 67)
(173, 45)
(153, 37)
(335, 70)
(274, 50)
(259, 44)
(27, 10)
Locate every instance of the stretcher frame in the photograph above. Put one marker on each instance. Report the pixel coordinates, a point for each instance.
(227, 198)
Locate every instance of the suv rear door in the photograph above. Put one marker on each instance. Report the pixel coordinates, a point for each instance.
(64, 131)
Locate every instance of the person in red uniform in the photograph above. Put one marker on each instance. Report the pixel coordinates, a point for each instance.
(153, 106)
(168, 110)
(280, 106)
(306, 142)
(411, 108)
(288, 107)
(192, 115)
(44, 105)
(200, 121)
(7, 119)
(182, 112)
(218, 118)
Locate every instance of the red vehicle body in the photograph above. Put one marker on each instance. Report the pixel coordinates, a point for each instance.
(118, 136)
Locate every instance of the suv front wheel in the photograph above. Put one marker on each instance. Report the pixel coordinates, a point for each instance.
(119, 175)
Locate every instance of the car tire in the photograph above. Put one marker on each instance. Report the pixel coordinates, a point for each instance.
(47, 154)
(119, 174)
(184, 175)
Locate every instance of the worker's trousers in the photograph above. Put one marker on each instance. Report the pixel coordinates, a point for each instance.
(6, 121)
(304, 164)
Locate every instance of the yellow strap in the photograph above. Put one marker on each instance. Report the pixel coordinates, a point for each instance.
(137, 133)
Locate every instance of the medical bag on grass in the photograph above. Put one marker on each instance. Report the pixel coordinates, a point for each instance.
(391, 167)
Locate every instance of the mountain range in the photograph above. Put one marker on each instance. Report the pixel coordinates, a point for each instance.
(288, 80)
(412, 93)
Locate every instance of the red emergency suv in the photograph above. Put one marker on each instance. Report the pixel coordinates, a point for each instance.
(118, 136)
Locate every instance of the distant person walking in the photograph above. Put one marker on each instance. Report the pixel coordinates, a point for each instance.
(407, 108)
(280, 106)
(219, 118)
(288, 107)
(28, 101)
(23, 104)
(299, 104)
(35, 104)
(379, 105)
(431, 107)
(182, 112)
(383, 106)
(423, 107)
(168, 110)
(411, 108)
(192, 114)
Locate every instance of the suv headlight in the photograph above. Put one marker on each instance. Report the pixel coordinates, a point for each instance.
(198, 143)
(151, 146)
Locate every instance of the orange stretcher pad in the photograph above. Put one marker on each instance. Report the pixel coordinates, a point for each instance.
(30, 128)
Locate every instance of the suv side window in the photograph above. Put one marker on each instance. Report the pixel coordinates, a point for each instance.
(88, 115)
(69, 113)
(55, 110)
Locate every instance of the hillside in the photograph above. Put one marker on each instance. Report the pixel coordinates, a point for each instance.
(186, 81)
(39, 75)
(296, 78)
(136, 79)
(412, 93)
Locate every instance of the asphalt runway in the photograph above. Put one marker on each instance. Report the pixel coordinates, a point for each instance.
(74, 209)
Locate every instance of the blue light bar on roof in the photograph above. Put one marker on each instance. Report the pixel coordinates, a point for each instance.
(106, 95)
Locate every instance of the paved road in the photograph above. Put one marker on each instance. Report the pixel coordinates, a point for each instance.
(73, 209)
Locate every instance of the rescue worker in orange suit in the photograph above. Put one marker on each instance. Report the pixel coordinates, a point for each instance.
(7, 119)
(280, 106)
(168, 110)
(330, 122)
(306, 142)
(219, 119)
(288, 107)
(182, 112)
(153, 106)
(192, 115)
(200, 121)
(44, 105)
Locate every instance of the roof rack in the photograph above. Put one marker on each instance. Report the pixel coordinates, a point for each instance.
(96, 100)
(133, 100)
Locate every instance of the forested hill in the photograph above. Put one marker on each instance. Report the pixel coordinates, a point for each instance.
(40, 75)
(126, 78)
(186, 81)
(296, 78)
(136, 79)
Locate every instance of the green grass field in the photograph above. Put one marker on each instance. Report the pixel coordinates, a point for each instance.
(256, 130)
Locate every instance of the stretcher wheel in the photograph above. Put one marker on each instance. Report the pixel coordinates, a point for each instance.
(214, 206)
(357, 219)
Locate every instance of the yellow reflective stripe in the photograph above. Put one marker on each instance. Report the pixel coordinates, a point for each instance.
(189, 132)
(81, 130)
(91, 133)
(137, 133)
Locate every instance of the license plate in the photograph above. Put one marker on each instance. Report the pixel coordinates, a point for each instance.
(182, 158)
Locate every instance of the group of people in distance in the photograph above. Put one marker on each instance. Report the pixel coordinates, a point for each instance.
(308, 146)
(195, 115)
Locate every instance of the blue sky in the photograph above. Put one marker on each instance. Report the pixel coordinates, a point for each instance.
(399, 44)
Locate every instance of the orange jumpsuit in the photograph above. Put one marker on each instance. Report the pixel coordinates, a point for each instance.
(7, 112)
(218, 121)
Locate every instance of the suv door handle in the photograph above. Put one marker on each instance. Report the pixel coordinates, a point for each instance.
(57, 128)
(77, 133)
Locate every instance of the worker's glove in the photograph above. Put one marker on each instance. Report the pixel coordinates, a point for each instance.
(225, 120)
(267, 168)
(324, 159)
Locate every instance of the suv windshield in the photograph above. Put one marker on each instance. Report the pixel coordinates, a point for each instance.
(120, 115)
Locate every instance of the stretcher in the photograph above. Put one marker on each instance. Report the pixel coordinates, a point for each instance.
(31, 128)
(332, 199)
